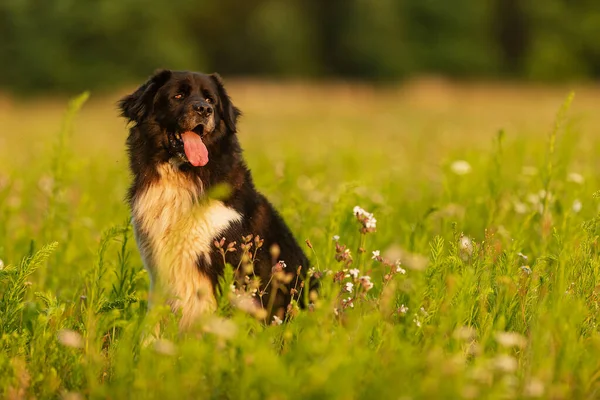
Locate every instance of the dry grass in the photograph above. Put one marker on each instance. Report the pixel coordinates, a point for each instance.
(322, 117)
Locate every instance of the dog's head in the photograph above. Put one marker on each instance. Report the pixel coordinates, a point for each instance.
(183, 113)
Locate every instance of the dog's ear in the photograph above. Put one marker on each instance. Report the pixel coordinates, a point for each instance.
(136, 106)
(229, 112)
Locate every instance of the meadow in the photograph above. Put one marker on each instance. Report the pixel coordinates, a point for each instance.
(481, 279)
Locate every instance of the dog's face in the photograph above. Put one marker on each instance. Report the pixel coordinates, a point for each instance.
(184, 112)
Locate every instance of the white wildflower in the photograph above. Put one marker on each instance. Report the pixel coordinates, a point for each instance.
(460, 167)
(510, 339)
(526, 269)
(520, 208)
(371, 223)
(354, 272)
(534, 388)
(276, 320)
(523, 256)
(375, 254)
(232, 288)
(1, 265)
(577, 206)
(349, 287)
(348, 302)
(166, 347)
(282, 264)
(70, 338)
(533, 198)
(72, 396)
(403, 309)
(358, 211)
(575, 178)
(366, 217)
(399, 269)
(416, 321)
(423, 311)
(466, 333)
(247, 304)
(505, 363)
(336, 238)
(366, 282)
(46, 184)
(221, 327)
(466, 247)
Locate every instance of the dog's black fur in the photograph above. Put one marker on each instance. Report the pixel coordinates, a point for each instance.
(157, 116)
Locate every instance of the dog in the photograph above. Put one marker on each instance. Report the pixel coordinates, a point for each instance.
(182, 144)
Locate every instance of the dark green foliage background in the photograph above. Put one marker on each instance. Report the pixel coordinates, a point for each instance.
(69, 45)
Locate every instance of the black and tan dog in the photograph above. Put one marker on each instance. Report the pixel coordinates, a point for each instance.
(182, 143)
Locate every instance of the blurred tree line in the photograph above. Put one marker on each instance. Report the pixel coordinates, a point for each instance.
(65, 45)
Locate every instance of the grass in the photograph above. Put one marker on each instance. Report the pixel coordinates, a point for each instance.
(500, 295)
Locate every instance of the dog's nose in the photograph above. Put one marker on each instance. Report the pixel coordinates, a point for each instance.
(203, 109)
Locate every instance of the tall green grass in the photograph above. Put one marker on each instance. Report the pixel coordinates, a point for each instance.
(485, 276)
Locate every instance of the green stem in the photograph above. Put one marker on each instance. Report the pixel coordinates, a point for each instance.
(361, 254)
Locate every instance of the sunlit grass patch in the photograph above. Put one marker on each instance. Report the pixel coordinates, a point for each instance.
(450, 265)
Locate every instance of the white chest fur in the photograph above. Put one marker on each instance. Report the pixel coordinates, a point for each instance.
(174, 229)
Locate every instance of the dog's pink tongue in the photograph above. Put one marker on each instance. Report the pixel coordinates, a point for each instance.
(195, 149)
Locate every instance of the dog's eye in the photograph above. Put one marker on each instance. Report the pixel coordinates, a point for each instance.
(178, 96)
(209, 100)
